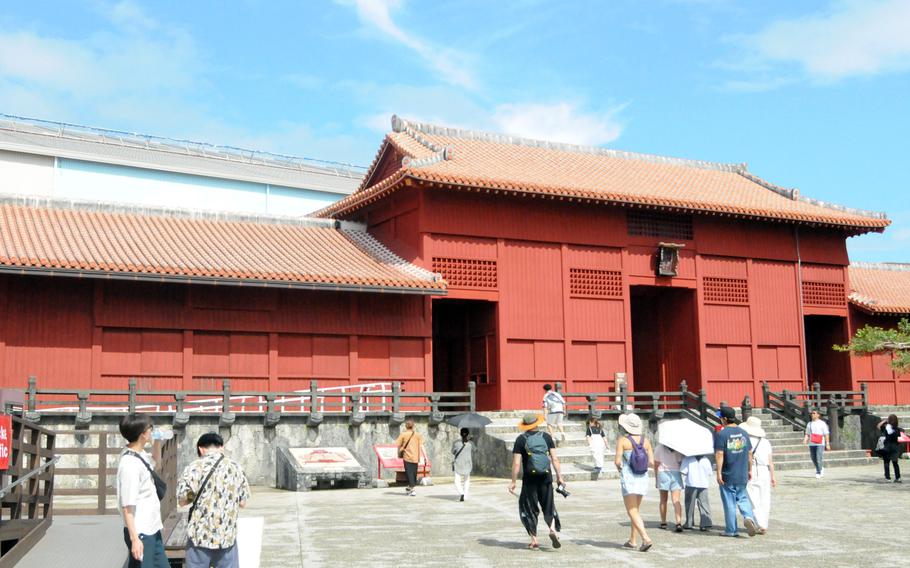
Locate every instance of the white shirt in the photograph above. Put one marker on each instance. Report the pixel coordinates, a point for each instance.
(817, 427)
(554, 402)
(698, 471)
(761, 451)
(136, 488)
(669, 460)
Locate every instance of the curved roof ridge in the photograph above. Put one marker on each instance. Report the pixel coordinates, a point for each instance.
(124, 208)
(895, 266)
(368, 244)
(416, 129)
(794, 194)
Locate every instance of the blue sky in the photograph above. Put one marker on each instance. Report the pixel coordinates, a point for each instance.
(812, 94)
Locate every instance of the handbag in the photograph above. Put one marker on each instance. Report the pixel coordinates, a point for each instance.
(458, 453)
(160, 484)
(816, 439)
(408, 443)
(880, 445)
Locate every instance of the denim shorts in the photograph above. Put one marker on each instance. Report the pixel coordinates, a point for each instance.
(669, 481)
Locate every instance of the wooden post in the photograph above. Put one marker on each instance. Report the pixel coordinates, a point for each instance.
(272, 416)
(765, 394)
(817, 387)
(746, 408)
(702, 407)
(181, 417)
(397, 416)
(683, 394)
(864, 390)
(834, 426)
(593, 412)
(132, 395)
(472, 396)
(315, 417)
(33, 393)
(623, 398)
(227, 417)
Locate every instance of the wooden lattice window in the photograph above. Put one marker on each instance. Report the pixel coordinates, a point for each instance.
(652, 224)
(829, 294)
(466, 272)
(595, 283)
(726, 290)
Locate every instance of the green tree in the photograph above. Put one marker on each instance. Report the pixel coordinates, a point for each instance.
(872, 339)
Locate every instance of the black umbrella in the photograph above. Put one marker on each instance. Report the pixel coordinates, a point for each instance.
(469, 420)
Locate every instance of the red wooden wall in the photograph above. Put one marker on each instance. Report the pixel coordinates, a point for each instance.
(562, 275)
(92, 334)
(885, 386)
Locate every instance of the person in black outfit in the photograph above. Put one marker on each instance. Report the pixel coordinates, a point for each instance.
(536, 488)
(891, 453)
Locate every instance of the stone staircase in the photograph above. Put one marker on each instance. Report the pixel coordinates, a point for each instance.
(790, 453)
(578, 465)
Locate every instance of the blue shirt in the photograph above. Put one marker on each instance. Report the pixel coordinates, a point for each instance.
(734, 443)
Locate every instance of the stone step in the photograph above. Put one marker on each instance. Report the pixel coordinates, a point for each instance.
(573, 439)
(829, 462)
(585, 472)
(781, 457)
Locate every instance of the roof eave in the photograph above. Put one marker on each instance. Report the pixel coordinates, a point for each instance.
(219, 281)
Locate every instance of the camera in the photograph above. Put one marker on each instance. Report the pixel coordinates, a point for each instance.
(561, 489)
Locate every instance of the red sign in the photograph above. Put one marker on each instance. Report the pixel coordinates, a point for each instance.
(6, 440)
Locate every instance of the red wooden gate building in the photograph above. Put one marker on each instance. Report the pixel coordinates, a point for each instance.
(557, 263)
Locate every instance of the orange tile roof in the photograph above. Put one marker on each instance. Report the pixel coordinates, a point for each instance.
(880, 288)
(461, 158)
(89, 240)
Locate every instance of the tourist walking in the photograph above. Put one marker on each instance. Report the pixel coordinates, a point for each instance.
(698, 472)
(137, 494)
(668, 481)
(216, 489)
(595, 436)
(634, 457)
(410, 444)
(762, 480)
(463, 463)
(733, 453)
(534, 454)
(818, 438)
(890, 451)
(554, 406)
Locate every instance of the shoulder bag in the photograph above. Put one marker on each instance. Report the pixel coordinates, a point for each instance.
(458, 453)
(408, 443)
(202, 487)
(160, 485)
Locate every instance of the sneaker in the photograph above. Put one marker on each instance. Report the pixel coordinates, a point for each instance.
(412, 494)
(898, 480)
(461, 498)
(822, 473)
(750, 526)
(818, 476)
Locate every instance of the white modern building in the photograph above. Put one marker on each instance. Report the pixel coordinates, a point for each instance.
(70, 162)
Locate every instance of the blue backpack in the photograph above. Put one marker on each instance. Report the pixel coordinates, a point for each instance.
(638, 461)
(538, 454)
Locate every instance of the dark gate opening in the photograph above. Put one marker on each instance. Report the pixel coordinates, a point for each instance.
(464, 348)
(824, 365)
(664, 338)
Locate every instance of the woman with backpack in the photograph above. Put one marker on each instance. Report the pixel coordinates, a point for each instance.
(890, 451)
(634, 457)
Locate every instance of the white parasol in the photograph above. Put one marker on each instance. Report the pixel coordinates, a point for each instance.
(686, 437)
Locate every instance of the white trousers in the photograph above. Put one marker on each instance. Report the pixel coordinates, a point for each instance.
(597, 447)
(759, 490)
(462, 484)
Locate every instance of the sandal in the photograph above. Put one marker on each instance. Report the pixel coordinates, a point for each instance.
(628, 544)
(555, 540)
(678, 528)
(663, 526)
(534, 546)
(645, 546)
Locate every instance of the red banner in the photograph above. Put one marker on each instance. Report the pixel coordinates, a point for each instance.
(6, 440)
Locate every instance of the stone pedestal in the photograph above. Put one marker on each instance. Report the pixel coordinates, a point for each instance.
(302, 469)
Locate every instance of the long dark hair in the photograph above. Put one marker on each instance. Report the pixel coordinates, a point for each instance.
(892, 420)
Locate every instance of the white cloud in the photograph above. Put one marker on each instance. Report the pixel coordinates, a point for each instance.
(451, 65)
(851, 38)
(560, 122)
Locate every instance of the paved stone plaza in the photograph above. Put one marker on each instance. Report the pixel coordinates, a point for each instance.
(839, 521)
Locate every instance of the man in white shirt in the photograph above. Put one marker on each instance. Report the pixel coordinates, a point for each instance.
(137, 497)
(555, 407)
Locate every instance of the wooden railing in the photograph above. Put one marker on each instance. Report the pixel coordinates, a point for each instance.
(92, 444)
(796, 406)
(314, 403)
(27, 488)
(655, 405)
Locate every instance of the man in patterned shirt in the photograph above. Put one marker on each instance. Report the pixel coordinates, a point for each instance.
(212, 524)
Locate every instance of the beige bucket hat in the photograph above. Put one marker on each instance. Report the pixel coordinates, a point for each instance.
(752, 426)
(631, 423)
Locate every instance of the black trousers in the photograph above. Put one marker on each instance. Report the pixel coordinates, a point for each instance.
(410, 469)
(536, 496)
(897, 468)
